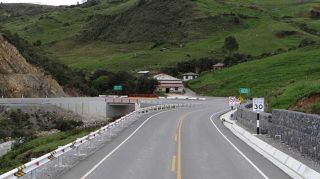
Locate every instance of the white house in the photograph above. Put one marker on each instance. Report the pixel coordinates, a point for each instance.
(169, 84)
(189, 76)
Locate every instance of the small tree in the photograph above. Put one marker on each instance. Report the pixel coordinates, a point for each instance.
(146, 85)
(37, 43)
(230, 44)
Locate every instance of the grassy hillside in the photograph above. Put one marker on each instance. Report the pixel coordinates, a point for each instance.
(130, 35)
(282, 79)
(198, 30)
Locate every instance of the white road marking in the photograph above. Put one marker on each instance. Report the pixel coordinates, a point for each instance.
(236, 148)
(114, 150)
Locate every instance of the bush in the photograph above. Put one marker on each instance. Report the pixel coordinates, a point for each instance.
(230, 44)
(315, 13)
(65, 125)
(306, 42)
(37, 43)
(235, 59)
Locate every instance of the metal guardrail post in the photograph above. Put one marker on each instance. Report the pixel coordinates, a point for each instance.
(60, 159)
(33, 172)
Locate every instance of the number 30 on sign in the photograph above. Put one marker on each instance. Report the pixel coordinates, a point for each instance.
(258, 105)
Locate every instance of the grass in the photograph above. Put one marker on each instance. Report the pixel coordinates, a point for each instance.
(256, 36)
(282, 79)
(294, 92)
(254, 39)
(37, 147)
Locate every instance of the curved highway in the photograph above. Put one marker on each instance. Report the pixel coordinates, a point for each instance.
(186, 143)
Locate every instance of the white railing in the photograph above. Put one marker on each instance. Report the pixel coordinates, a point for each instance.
(32, 166)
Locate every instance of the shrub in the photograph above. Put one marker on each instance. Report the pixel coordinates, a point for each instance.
(306, 42)
(64, 125)
(230, 44)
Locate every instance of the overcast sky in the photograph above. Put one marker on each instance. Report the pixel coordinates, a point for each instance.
(47, 2)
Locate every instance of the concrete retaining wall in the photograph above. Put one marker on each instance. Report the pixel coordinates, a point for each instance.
(298, 130)
(94, 108)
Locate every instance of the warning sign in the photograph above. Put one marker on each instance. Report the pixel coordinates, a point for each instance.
(232, 101)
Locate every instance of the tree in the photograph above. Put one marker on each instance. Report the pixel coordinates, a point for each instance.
(37, 43)
(146, 85)
(230, 44)
(235, 59)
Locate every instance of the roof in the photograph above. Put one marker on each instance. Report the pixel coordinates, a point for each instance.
(219, 65)
(143, 72)
(165, 77)
(190, 74)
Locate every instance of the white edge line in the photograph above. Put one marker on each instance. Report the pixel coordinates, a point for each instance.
(236, 148)
(114, 150)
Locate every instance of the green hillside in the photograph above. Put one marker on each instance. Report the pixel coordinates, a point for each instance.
(282, 79)
(129, 35)
(203, 26)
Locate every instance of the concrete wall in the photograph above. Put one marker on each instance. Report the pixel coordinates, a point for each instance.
(95, 108)
(298, 130)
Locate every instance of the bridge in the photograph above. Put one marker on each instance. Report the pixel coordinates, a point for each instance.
(95, 107)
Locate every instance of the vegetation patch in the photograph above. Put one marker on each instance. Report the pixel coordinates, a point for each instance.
(282, 79)
(17, 124)
(36, 147)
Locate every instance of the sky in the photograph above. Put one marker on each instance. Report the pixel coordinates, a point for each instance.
(46, 2)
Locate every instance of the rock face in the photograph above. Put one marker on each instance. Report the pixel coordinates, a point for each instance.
(19, 78)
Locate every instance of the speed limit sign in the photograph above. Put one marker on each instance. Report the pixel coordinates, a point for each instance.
(258, 105)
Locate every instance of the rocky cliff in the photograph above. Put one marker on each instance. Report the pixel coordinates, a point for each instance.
(19, 78)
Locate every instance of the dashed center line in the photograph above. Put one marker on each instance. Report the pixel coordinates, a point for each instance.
(173, 163)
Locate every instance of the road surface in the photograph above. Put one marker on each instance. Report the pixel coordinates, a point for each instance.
(187, 143)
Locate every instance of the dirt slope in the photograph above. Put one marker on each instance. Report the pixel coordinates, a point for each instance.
(17, 77)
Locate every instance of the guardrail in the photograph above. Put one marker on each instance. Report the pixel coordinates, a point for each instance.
(184, 98)
(32, 166)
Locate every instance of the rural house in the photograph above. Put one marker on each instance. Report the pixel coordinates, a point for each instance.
(169, 84)
(189, 76)
(218, 66)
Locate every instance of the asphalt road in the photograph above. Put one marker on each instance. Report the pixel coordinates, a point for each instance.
(189, 143)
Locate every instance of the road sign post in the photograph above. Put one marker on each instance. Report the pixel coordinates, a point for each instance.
(232, 101)
(258, 106)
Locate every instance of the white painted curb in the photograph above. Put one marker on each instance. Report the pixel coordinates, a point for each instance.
(288, 164)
